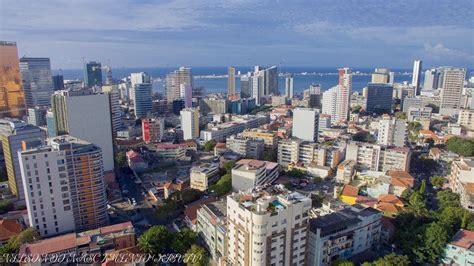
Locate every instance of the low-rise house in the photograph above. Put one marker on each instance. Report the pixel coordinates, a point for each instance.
(135, 161)
(346, 171)
(390, 205)
(204, 175)
(460, 251)
(349, 194)
(171, 151)
(400, 181)
(8, 229)
(93, 242)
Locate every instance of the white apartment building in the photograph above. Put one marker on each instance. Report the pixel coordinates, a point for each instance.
(417, 113)
(305, 123)
(451, 90)
(466, 119)
(211, 226)
(221, 131)
(343, 234)
(201, 176)
(190, 123)
(248, 148)
(377, 157)
(392, 131)
(293, 151)
(461, 181)
(346, 171)
(249, 174)
(267, 227)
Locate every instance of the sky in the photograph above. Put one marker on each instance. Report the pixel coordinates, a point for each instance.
(325, 33)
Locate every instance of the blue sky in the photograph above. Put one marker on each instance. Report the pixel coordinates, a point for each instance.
(148, 33)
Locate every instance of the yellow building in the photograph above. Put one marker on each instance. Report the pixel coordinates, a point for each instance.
(12, 100)
(270, 138)
(349, 194)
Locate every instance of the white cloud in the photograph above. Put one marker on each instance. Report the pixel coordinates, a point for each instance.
(441, 53)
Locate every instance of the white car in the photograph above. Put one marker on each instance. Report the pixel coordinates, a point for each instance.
(134, 202)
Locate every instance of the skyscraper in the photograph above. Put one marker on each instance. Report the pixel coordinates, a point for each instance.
(257, 83)
(230, 81)
(190, 123)
(87, 117)
(329, 103)
(12, 102)
(415, 82)
(174, 81)
(379, 98)
(58, 82)
(344, 91)
(245, 86)
(271, 81)
(381, 75)
(186, 93)
(65, 185)
(431, 79)
(12, 134)
(142, 101)
(37, 81)
(451, 90)
(92, 74)
(115, 111)
(289, 86)
(305, 123)
(137, 78)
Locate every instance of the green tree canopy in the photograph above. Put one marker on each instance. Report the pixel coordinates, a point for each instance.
(183, 240)
(209, 145)
(196, 256)
(416, 205)
(391, 259)
(13, 245)
(121, 159)
(228, 166)
(223, 185)
(155, 240)
(401, 115)
(356, 109)
(6, 206)
(438, 181)
(447, 198)
(464, 147)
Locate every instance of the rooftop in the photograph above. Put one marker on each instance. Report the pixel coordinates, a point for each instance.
(463, 239)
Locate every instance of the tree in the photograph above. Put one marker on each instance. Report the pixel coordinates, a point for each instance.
(464, 147)
(414, 126)
(121, 159)
(416, 205)
(446, 198)
(228, 166)
(401, 115)
(363, 136)
(342, 262)
(190, 195)
(6, 206)
(13, 245)
(296, 173)
(391, 259)
(465, 219)
(317, 180)
(356, 109)
(438, 181)
(155, 240)
(209, 145)
(423, 187)
(183, 240)
(196, 256)
(223, 185)
(436, 237)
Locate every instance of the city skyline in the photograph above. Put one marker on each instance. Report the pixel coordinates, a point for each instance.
(173, 33)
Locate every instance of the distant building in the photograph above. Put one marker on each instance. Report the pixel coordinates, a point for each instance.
(230, 81)
(431, 79)
(379, 98)
(152, 129)
(58, 82)
(289, 86)
(249, 174)
(381, 75)
(452, 86)
(392, 131)
(142, 99)
(37, 116)
(190, 123)
(37, 81)
(245, 86)
(203, 175)
(248, 148)
(305, 124)
(213, 105)
(92, 74)
(137, 78)
(267, 228)
(416, 77)
(13, 134)
(175, 80)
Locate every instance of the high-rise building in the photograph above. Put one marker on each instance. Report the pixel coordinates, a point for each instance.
(245, 86)
(329, 103)
(271, 81)
(115, 111)
(257, 85)
(64, 186)
(87, 117)
(416, 77)
(431, 79)
(379, 98)
(213, 105)
(142, 100)
(190, 123)
(37, 81)
(267, 228)
(51, 124)
(152, 129)
(344, 94)
(137, 78)
(174, 81)
(58, 82)
(392, 131)
(451, 90)
(12, 134)
(92, 74)
(37, 116)
(186, 93)
(289, 86)
(230, 81)
(12, 101)
(305, 124)
(381, 75)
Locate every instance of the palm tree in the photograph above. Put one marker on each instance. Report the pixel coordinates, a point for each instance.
(416, 205)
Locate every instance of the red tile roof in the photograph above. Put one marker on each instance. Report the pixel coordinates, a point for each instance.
(350, 191)
(392, 199)
(191, 210)
(9, 228)
(463, 239)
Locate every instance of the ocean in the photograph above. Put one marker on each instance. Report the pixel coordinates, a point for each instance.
(203, 76)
